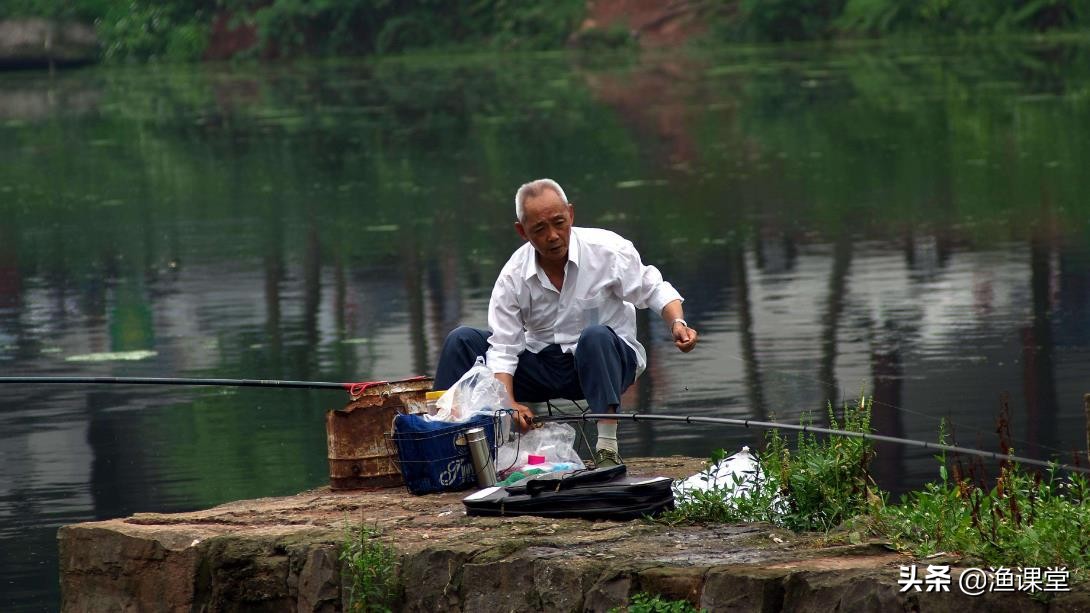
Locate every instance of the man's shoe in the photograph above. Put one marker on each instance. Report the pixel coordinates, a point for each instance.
(605, 458)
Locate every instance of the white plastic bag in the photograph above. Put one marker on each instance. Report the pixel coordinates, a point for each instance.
(735, 475)
(553, 440)
(478, 391)
(733, 478)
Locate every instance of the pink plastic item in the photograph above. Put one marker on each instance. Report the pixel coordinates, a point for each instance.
(535, 459)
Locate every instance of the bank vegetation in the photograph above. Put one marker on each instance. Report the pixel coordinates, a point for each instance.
(1005, 516)
(189, 30)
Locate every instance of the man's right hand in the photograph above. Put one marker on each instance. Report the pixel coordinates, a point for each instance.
(524, 417)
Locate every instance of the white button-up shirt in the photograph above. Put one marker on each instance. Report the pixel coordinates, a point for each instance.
(604, 282)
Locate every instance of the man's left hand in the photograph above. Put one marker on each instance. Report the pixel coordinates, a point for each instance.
(684, 337)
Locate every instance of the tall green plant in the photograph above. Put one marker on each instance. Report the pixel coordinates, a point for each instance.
(371, 569)
(826, 480)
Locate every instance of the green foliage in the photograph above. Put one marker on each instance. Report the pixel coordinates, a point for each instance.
(825, 481)
(779, 20)
(131, 29)
(1024, 519)
(82, 10)
(364, 26)
(371, 569)
(186, 42)
(145, 29)
(816, 487)
(646, 603)
(962, 16)
(178, 30)
(527, 24)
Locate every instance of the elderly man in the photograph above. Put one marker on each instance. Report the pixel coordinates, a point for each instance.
(563, 316)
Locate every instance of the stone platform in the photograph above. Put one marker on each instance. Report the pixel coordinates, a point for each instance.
(281, 554)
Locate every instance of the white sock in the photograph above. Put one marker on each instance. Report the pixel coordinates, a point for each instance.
(607, 437)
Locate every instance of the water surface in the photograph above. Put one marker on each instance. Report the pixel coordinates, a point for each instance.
(906, 223)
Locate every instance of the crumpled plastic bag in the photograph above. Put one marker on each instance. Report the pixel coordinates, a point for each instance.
(736, 475)
(478, 391)
(553, 440)
(733, 478)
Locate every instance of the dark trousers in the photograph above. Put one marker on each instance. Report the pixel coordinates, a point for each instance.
(600, 371)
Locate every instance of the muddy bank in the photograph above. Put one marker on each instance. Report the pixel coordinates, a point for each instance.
(282, 553)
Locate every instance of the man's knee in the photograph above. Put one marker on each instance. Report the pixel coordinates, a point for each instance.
(596, 337)
(465, 338)
(463, 334)
(462, 346)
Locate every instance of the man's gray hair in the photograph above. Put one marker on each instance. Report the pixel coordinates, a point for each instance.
(532, 189)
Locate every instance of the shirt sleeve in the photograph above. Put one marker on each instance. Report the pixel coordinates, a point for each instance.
(505, 320)
(641, 285)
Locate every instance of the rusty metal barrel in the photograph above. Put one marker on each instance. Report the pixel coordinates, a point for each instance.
(356, 435)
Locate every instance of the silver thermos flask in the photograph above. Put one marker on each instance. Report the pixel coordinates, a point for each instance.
(481, 455)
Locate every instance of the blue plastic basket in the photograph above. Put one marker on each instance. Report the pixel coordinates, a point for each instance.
(430, 458)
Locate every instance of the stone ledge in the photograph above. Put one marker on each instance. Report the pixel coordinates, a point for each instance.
(282, 553)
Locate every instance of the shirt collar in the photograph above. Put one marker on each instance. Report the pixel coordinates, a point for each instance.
(532, 266)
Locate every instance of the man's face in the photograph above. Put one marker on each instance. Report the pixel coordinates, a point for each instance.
(546, 223)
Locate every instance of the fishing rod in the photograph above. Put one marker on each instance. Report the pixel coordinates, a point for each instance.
(353, 389)
(766, 425)
(356, 389)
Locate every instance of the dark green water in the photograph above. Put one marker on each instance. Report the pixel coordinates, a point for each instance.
(906, 222)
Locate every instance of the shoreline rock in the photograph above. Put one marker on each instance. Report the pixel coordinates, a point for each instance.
(283, 553)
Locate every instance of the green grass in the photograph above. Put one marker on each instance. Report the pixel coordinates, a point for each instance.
(369, 568)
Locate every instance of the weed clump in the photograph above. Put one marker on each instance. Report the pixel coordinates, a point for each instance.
(370, 569)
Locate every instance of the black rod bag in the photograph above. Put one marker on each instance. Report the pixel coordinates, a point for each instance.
(604, 493)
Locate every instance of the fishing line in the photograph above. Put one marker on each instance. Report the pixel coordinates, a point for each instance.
(765, 425)
(955, 426)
